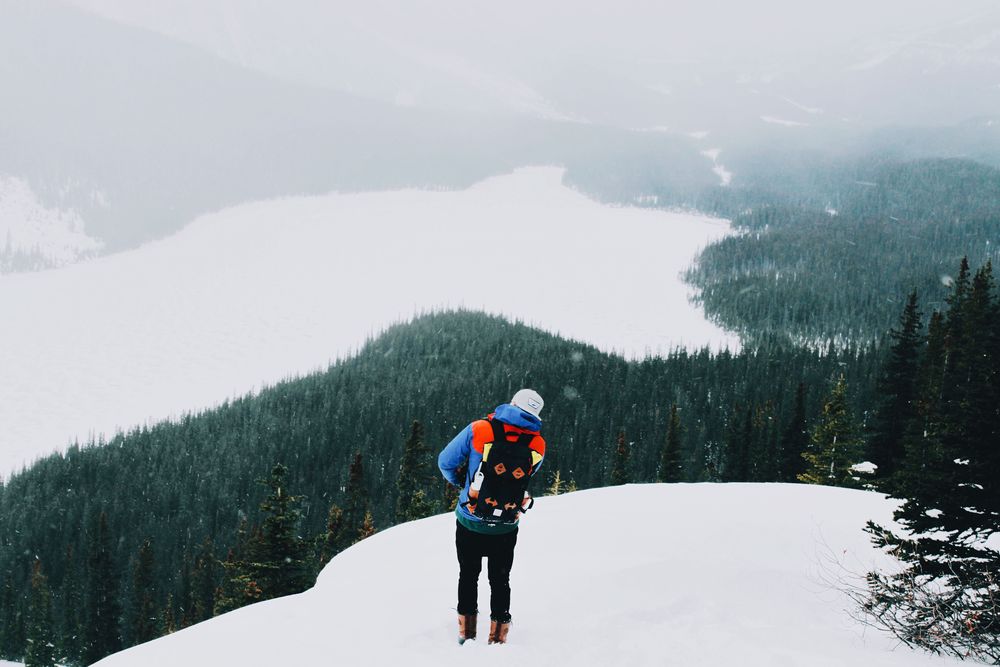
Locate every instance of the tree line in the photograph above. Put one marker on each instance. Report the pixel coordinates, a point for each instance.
(835, 260)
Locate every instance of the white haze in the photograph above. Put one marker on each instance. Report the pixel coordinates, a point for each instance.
(582, 60)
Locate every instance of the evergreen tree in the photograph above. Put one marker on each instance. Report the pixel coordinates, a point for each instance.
(557, 486)
(835, 446)
(279, 556)
(70, 632)
(203, 582)
(356, 505)
(620, 462)
(41, 636)
(367, 527)
(414, 477)
(927, 475)
(948, 479)
(331, 541)
(144, 616)
(103, 605)
(795, 439)
(767, 456)
(945, 597)
(12, 630)
(167, 620)
(671, 469)
(186, 594)
(738, 446)
(896, 388)
(238, 587)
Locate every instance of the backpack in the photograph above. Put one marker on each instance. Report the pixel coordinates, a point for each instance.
(498, 487)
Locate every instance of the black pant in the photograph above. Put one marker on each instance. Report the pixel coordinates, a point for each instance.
(499, 550)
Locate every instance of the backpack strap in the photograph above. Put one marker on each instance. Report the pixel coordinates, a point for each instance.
(500, 435)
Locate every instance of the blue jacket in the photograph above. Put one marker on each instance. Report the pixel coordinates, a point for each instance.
(464, 447)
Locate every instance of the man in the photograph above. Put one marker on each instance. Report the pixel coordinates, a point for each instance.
(503, 451)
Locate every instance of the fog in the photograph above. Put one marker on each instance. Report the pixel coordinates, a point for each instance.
(564, 58)
(135, 117)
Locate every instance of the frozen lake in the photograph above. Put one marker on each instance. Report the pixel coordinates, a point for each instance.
(262, 291)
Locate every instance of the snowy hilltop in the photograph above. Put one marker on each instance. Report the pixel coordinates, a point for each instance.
(684, 574)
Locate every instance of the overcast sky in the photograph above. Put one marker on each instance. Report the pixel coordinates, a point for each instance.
(378, 45)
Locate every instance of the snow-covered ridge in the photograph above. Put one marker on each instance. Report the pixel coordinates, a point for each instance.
(685, 574)
(28, 226)
(262, 291)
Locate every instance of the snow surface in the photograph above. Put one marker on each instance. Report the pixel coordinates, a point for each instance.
(702, 574)
(803, 107)
(781, 121)
(719, 169)
(262, 291)
(26, 224)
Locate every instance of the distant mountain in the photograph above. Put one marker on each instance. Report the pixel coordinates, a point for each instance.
(137, 133)
(166, 131)
(719, 65)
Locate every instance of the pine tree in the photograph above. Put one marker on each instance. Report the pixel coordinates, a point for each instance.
(203, 582)
(103, 604)
(41, 636)
(620, 468)
(238, 588)
(671, 469)
(795, 439)
(11, 645)
(766, 458)
(557, 486)
(414, 477)
(186, 593)
(946, 596)
(738, 446)
(356, 505)
(896, 388)
(367, 527)
(279, 557)
(70, 632)
(167, 622)
(949, 475)
(144, 618)
(331, 540)
(835, 446)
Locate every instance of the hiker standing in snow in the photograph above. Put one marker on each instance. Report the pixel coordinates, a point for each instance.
(503, 451)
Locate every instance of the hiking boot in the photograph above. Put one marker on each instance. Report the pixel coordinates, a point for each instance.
(466, 627)
(498, 631)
